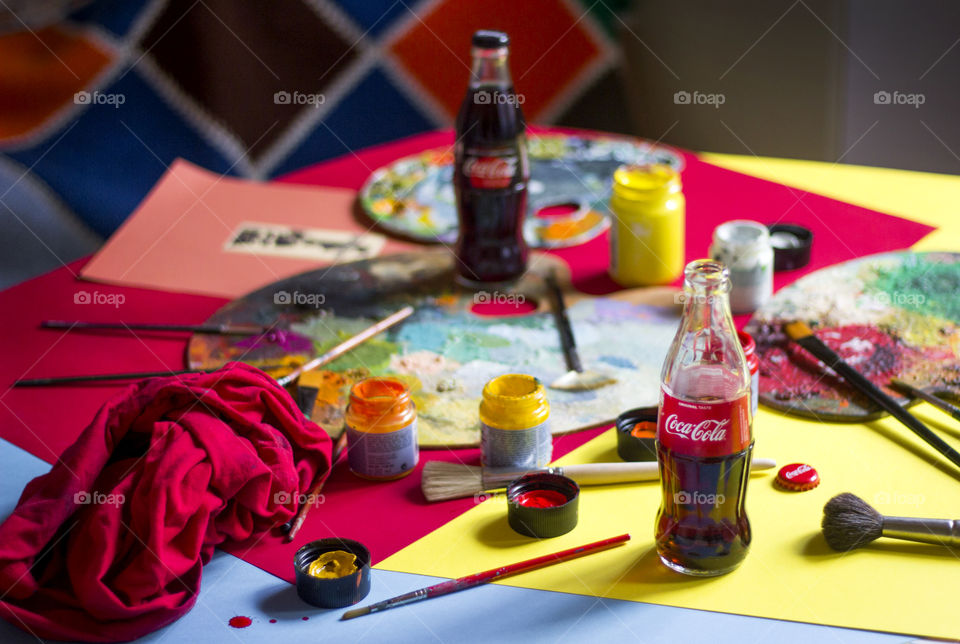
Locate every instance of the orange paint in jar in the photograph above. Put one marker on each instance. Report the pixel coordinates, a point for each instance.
(381, 426)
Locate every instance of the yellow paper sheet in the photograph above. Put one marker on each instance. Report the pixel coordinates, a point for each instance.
(790, 572)
(924, 197)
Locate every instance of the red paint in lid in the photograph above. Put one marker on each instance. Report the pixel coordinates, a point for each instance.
(798, 477)
(541, 499)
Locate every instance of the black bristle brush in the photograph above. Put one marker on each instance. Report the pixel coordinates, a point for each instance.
(850, 522)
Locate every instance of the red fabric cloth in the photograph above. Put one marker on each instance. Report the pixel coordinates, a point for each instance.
(109, 545)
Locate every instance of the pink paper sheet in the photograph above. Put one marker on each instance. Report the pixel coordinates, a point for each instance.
(175, 240)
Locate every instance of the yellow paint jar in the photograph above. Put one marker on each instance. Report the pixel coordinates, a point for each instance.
(514, 423)
(381, 426)
(647, 235)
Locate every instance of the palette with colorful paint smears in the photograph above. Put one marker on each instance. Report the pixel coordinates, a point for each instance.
(894, 315)
(446, 351)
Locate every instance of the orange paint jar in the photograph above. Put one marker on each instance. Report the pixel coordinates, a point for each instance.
(381, 426)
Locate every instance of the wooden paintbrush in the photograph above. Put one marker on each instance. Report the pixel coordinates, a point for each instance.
(293, 527)
(850, 522)
(477, 579)
(442, 481)
(348, 344)
(576, 379)
(800, 333)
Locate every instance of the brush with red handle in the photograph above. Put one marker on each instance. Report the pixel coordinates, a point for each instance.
(477, 579)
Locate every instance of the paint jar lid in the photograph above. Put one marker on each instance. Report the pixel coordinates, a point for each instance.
(791, 246)
(543, 505)
(637, 434)
(332, 592)
(798, 477)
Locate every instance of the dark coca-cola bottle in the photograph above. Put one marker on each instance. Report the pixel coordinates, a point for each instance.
(704, 433)
(490, 170)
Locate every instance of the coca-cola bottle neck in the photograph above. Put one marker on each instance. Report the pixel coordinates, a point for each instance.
(707, 301)
(490, 68)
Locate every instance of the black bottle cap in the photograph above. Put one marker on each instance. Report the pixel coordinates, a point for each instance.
(486, 39)
(337, 592)
(791, 246)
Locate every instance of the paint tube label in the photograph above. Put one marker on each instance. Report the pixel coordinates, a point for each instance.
(516, 449)
(383, 455)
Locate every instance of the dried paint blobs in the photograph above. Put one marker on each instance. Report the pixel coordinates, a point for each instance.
(333, 565)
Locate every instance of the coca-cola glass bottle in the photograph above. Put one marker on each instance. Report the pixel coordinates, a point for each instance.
(704, 433)
(490, 169)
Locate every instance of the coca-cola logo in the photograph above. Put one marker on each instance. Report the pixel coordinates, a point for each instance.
(803, 469)
(707, 430)
(490, 172)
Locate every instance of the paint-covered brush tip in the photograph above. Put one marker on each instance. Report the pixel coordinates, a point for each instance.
(797, 329)
(356, 612)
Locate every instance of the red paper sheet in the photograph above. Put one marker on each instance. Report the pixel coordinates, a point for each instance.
(385, 516)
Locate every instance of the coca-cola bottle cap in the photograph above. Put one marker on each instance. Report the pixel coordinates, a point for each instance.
(798, 477)
(486, 39)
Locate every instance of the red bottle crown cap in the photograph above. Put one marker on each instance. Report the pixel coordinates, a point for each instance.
(798, 477)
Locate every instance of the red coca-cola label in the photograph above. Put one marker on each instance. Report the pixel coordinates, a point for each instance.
(490, 172)
(704, 428)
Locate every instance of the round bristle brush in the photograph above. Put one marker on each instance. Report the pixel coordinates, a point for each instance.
(850, 522)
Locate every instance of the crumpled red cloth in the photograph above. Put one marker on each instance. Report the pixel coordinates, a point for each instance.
(109, 545)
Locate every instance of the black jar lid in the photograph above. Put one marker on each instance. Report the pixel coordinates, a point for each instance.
(791, 246)
(636, 440)
(543, 522)
(337, 592)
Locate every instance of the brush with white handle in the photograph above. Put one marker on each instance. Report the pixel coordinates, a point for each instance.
(443, 481)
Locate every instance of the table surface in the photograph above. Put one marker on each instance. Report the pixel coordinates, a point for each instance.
(233, 587)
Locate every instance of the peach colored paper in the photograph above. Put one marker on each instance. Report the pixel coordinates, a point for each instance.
(175, 240)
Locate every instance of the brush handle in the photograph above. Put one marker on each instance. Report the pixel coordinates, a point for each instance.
(602, 473)
(485, 577)
(348, 344)
(567, 343)
(942, 532)
(936, 401)
(605, 473)
(813, 344)
(218, 329)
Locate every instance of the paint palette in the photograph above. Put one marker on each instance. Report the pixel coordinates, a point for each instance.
(894, 315)
(446, 351)
(413, 196)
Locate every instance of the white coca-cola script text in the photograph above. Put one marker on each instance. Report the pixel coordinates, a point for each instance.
(705, 431)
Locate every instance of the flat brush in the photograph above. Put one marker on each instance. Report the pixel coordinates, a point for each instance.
(477, 579)
(576, 378)
(800, 333)
(443, 481)
(850, 522)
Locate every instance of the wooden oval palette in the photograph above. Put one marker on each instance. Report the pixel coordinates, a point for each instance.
(893, 315)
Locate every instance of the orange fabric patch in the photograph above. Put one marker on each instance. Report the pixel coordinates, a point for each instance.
(548, 48)
(39, 73)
